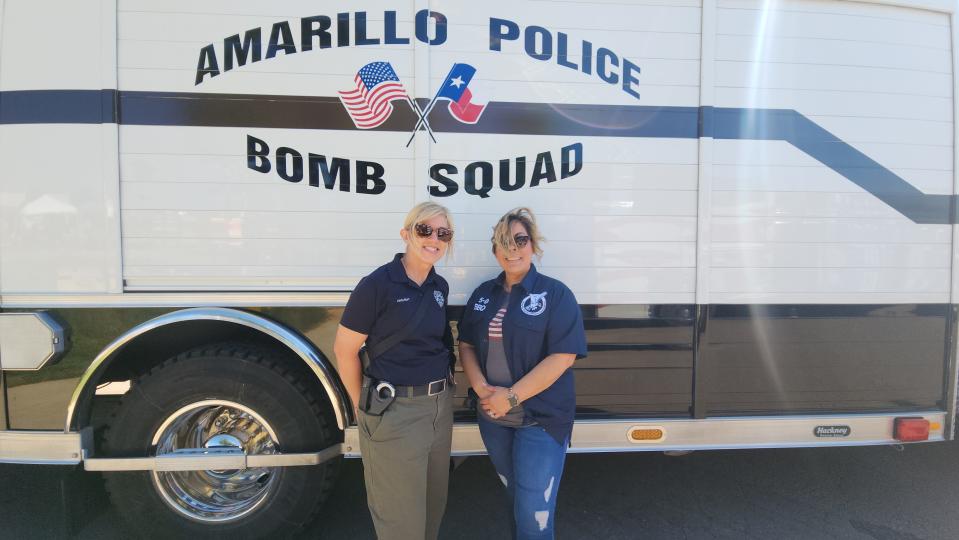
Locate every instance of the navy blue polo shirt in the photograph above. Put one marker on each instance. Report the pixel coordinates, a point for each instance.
(382, 304)
(542, 318)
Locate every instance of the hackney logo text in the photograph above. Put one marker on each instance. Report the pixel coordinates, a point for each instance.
(375, 88)
(832, 431)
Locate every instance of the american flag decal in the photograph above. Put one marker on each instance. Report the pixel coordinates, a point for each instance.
(369, 103)
(496, 325)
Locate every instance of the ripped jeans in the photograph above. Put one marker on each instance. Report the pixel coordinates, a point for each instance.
(529, 462)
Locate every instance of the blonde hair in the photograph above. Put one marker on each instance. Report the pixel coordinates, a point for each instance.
(425, 211)
(503, 238)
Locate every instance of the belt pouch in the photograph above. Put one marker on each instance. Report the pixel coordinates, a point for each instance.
(376, 396)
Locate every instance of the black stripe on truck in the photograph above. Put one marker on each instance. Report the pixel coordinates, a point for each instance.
(324, 112)
(58, 107)
(644, 360)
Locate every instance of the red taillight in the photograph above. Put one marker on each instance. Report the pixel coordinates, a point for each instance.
(910, 429)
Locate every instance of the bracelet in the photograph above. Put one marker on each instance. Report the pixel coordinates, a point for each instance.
(513, 400)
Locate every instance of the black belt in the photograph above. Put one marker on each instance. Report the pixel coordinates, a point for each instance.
(430, 389)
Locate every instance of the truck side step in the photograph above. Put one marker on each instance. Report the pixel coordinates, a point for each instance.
(204, 459)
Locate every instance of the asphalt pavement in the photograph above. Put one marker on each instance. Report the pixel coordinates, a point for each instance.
(884, 493)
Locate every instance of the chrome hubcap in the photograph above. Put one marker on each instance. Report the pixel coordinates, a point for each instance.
(218, 495)
(223, 440)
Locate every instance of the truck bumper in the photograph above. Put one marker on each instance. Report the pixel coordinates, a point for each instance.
(637, 435)
(59, 448)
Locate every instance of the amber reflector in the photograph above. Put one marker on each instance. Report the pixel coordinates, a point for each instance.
(651, 434)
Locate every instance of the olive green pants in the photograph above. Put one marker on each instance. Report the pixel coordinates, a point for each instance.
(406, 464)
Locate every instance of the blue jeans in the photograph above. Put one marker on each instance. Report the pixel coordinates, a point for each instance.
(530, 464)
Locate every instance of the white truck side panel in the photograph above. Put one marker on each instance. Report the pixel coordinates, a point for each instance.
(621, 231)
(665, 38)
(787, 229)
(59, 199)
(67, 53)
(780, 225)
(823, 59)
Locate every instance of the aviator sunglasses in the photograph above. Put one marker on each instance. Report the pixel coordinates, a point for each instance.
(425, 231)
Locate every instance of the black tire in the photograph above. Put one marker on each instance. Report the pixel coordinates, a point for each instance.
(289, 498)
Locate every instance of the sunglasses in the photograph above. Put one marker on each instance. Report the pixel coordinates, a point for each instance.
(521, 240)
(425, 231)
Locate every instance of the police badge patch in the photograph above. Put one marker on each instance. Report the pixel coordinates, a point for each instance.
(534, 304)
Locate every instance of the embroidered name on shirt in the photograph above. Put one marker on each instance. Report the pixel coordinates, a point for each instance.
(403, 300)
(481, 304)
(534, 304)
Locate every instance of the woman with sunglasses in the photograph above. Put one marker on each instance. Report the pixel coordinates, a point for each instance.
(405, 418)
(518, 337)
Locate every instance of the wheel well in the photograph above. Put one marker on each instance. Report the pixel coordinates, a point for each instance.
(145, 351)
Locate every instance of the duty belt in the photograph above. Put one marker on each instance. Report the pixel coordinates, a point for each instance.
(430, 389)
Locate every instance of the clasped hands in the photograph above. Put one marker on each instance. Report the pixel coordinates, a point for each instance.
(493, 399)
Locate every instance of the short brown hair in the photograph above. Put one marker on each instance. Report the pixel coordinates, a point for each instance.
(501, 231)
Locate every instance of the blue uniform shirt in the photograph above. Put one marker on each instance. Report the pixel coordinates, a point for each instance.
(382, 304)
(542, 318)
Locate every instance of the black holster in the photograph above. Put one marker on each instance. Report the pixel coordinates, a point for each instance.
(376, 396)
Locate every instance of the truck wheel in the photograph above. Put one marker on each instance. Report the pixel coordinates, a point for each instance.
(232, 395)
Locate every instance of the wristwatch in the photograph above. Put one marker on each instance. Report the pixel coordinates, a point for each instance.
(513, 400)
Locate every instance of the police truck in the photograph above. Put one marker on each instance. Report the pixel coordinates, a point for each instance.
(754, 202)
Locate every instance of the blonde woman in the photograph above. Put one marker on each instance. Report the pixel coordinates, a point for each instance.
(519, 335)
(404, 396)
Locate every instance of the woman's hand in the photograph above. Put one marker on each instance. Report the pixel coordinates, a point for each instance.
(497, 403)
(484, 390)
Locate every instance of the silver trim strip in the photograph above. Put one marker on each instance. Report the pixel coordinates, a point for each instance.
(952, 361)
(3, 383)
(301, 346)
(177, 299)
(592, 436)
(704, 195)
(42, 447)
(952, 374)
(589, 436)
(204, 459)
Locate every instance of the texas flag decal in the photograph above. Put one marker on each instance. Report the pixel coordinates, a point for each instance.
(456, 89)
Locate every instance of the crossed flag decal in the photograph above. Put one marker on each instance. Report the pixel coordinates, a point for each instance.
(377, 86)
